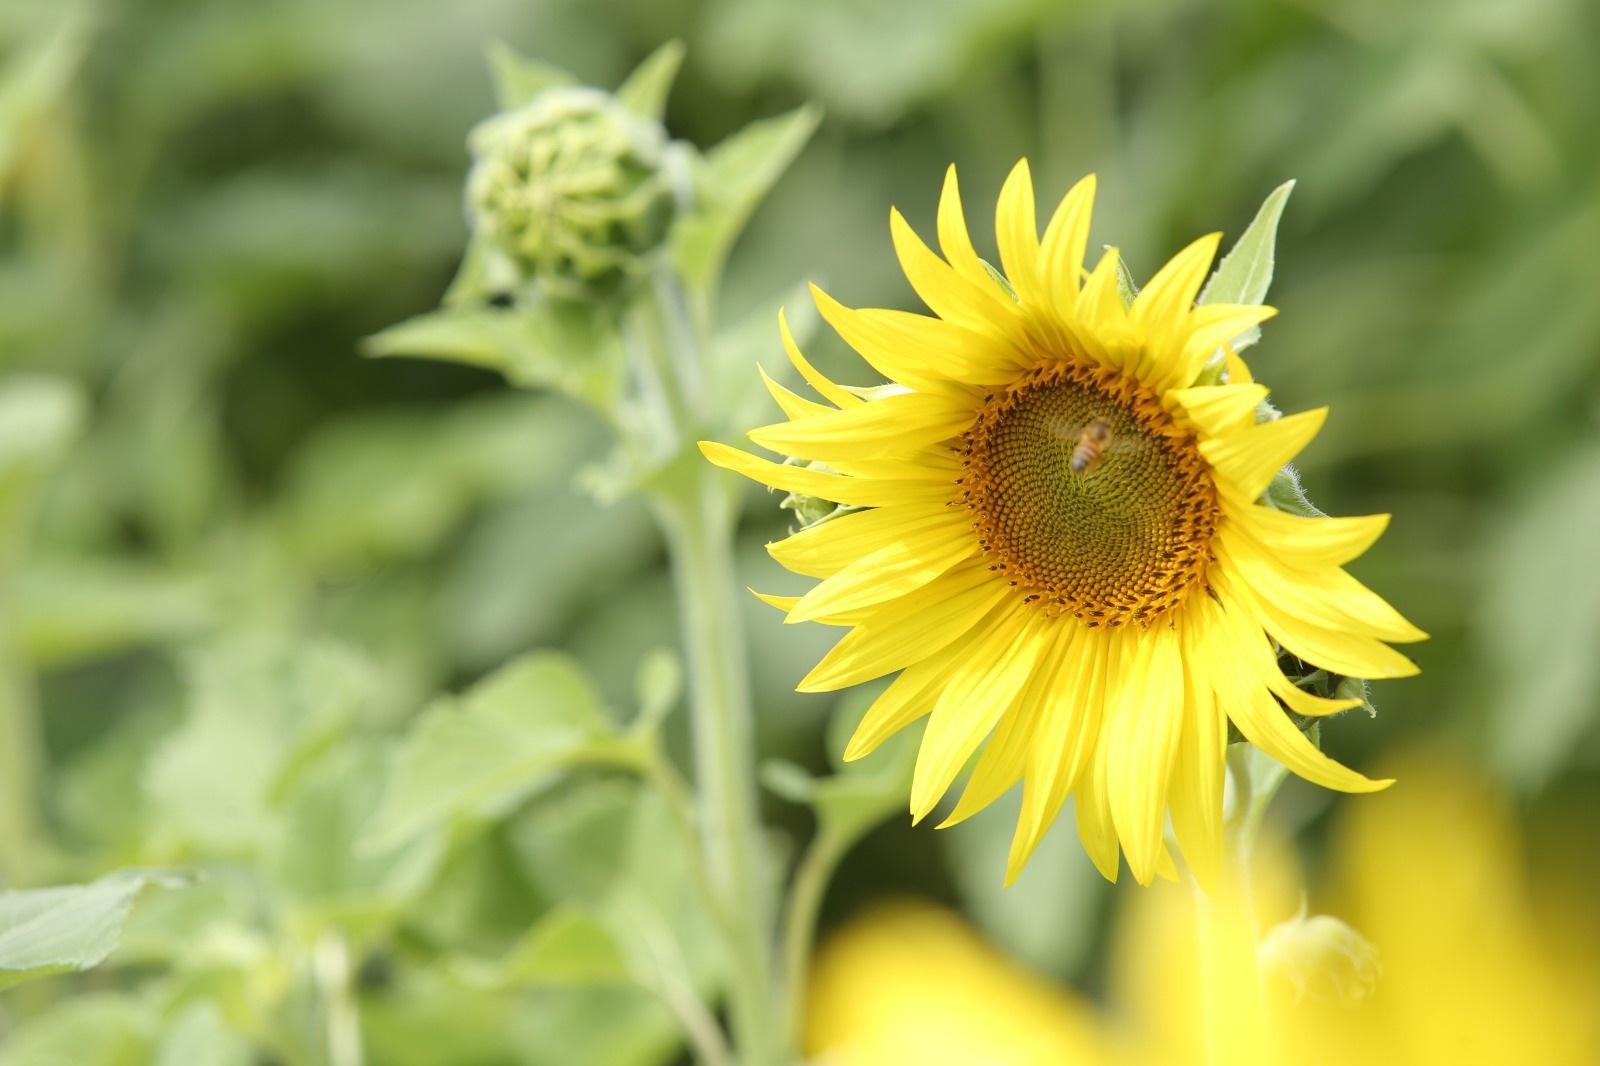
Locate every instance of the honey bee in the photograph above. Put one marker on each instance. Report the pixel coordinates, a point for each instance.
(1092, 443)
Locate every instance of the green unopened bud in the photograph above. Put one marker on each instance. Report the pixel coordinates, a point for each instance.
(573, 193)
(812, 509)
(1321, 958)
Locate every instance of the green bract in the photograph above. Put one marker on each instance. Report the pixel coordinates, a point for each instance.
(573, 193)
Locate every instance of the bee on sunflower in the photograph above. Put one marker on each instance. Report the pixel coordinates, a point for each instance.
(1052, 525)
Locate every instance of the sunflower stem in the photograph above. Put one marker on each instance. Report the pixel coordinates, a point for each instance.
(697, 513)
(811, 880)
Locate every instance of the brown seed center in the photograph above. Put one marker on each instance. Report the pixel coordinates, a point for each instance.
(1088, 497)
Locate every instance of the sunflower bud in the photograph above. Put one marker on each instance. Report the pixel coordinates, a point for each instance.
(573, 193)
(1321, 958)
(811, 509)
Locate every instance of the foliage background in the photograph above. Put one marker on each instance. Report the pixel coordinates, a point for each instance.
(259, 554)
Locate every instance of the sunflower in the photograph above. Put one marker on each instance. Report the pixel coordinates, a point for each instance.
(1053, 529)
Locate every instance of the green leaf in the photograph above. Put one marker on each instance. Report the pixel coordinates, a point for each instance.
(1540, 624)
(742, 397)
(1286, 493)
(734, 177)
(199, 1036)
(36, 76)
(545, 345)
(394, 485)
(1127, 288)
(658, 686)
(518, 79)
(859, 795)
(94, 1029)
(315, 857)
(611, 847)
(645, 90)
(1245, 273)
(568, 947)
(480, 754)
(69, 927)
(71, 609)
(39, 417)
(260, 711)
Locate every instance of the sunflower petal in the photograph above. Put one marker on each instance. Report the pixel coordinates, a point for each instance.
(852, 491)
(974, 696)
(892, 571)
(834, 393)
(1066, 238)
(1016, 231)
(1145, 730)
(1249, 459)
(924, 623)
(945, 291)
(892, 425)
(954, 239)
(919, 351)
(1195, 796)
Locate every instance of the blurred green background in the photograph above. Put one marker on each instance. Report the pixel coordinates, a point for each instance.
(219, 519)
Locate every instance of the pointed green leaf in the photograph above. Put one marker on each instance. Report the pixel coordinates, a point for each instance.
(859, 795)
(480, 754)
(645, 90)
(543, 345)
(657, 686)
(518, 79)
(69, 927)
(742, 396)
(567, 947)
(734, 178)
(1245, 273)
(1127, 288)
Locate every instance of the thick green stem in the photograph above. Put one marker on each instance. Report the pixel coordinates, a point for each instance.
(19, 756)
(695, 507)
(699, 536)
(800, 922)
(335, 978)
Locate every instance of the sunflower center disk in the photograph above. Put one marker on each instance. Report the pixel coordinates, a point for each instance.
(1088, 497)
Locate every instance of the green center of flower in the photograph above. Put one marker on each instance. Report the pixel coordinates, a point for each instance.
(1088, 497)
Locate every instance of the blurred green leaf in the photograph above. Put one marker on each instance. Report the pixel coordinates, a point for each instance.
(259, 711)
(35, 78)
(567, 947)
(1540, 624)
(199, 1036)
(482, 753)
(645, 90)
(658, 686)
(39, 417)
(317, 858)
(1245, 273)
(542, 345)
(736, 175)
(518, 79)
(859, 795)
(74, 609)
(99, 1029)
(742, 397)
(46, 931)
(394, 485)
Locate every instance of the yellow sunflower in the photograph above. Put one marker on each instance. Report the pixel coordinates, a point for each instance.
(1055, 536)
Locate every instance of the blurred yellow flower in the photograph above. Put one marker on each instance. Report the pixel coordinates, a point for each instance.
(912, 983)
(1437, 958)
(1059, 542)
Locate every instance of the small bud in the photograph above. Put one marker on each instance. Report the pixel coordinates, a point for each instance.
(811, 509)
(574, 192)
(1322, 958)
